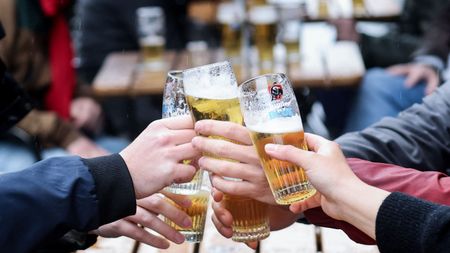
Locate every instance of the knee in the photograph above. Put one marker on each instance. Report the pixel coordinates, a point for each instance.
(379, 81)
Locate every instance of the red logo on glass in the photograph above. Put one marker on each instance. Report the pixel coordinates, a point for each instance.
(276, 91)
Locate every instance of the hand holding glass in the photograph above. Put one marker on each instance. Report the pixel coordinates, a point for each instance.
(271, 114)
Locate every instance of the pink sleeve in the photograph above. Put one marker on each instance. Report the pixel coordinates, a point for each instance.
(429, 185)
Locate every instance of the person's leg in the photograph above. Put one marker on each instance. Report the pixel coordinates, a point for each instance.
(381, 95)
(15, 157)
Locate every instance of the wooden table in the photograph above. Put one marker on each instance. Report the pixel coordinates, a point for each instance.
(122, 74)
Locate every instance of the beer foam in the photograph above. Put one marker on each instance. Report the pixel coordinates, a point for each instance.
(229, 13)
(263, 15)
(278, 125)
(213, 81)
(152, 41)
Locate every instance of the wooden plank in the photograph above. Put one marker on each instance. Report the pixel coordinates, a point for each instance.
(295, 238)
(111, 245)
(116, 74)
(174, 248)
(336, 241)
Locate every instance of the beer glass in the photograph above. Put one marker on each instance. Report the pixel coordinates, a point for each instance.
(231, 18)
(271, 114)
(174, 104)
(359, 7)
(264, 23)
(291, 39)
(211, 92)
(150, 22)
(197, 212)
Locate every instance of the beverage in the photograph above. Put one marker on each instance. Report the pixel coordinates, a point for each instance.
(291, 40)
(323, 8)
(287, 181)
(248, 215)
(271, 114)
(264, 22)
(152, 48)
(231, 17)
(197, 213)
(211, 93)
(150, 27)
(174, 104)
(358, 7)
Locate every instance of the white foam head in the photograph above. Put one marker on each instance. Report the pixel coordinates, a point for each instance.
(266, 14)
(229, 13)
(278, 125)
(213, 81)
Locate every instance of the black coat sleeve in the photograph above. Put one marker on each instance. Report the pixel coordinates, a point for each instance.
(43, 202)
(418, 137)
(407, 224)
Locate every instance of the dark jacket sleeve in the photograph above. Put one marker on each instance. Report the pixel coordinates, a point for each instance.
(418, 138)
(429, 185)
(406, 224)
(45, 201)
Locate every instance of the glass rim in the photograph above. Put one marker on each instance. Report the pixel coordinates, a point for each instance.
(175, 74)
(252, 80)
(207, 66)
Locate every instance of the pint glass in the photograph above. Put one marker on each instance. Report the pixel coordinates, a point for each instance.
(271, 114)
(211, 92)
(150, 23)
(197, 212)
(174, 104)
(264, 25)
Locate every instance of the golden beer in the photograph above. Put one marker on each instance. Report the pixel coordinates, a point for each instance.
(152, 49)
(211, 92)
(231, 40)
(287, 181)
(197, 213)
(264, 21)
(248, 215)
(358, 7)
(250, 220)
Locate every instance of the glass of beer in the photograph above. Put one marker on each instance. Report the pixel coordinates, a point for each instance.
(359, 8)
(174, 104)
(272, 115)
(197, 212)
(212, 93)
(150, 22)
(264, 20)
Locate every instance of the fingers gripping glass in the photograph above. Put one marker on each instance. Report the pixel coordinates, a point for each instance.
(174, 104)
(271, 114)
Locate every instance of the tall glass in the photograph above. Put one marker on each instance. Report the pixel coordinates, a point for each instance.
(359, 8)
(271, 114)
(211, 92)
(197, 212)
(151, 31)
(174, 104)
(264, 20)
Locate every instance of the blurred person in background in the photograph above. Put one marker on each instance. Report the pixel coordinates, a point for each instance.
(386, 92)
(105, 26)
(37, 50)
(410, 40)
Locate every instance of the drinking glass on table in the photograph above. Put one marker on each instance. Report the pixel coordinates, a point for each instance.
(174, 104)
(151, 29)
(272, 115)
(211, 92)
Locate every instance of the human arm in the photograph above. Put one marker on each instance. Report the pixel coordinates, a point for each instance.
(431, 186)
(73, 193)
(419, 137)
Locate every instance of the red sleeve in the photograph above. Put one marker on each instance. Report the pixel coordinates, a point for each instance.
(429, 185)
